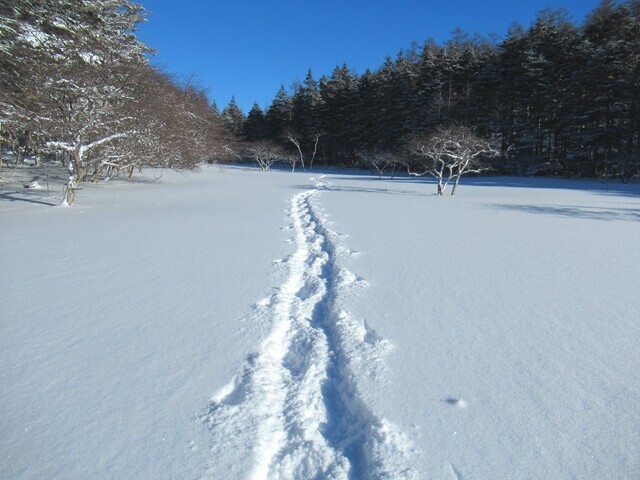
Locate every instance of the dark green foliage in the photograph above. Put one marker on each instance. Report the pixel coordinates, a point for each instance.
(279, 116)
(233, 117)
(306, 106)
(556, 98)
(255, 127)
(338, 113)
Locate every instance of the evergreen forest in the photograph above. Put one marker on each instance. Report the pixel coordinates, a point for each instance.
(555, 99)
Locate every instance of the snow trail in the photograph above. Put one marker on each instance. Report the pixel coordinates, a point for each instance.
(295, 411)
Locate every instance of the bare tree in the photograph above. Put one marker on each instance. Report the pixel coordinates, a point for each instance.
(291, 159)
(626, 166)
(266, 154)
(293, 139)
(379, 162)
(316, 139)
(448, 154)
(181, 130)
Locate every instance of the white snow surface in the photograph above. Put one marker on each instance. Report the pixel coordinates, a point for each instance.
(237, 324)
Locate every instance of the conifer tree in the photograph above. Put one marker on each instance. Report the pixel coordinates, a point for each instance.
(279, 116)
(233, 117)
(306, 105)
(255, 127)
(558, 98)
(338, 115)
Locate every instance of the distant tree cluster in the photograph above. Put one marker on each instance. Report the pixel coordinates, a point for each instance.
(75, 82)
(555, 99)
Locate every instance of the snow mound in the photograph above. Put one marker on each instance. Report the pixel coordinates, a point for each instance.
(34, 185)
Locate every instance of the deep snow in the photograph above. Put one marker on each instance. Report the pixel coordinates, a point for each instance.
(240, 324)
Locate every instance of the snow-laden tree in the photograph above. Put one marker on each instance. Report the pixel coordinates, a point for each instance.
(448, 154)
(267, 153)
(69, 75)
(233, 117)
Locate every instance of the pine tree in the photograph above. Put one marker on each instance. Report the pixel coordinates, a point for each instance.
(610, 82)
(338, 115)
(429, 86)
(233, 117)
(306, 105)
(369, 121)
(279, 116)
(255, 127)
(559, 99)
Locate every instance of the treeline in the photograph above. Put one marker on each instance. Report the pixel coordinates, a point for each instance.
(556, 99)
(76, 84)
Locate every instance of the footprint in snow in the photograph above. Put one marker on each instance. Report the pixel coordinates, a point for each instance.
(457, 402)
(264, 302)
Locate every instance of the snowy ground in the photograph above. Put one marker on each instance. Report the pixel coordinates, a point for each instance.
(238, 324)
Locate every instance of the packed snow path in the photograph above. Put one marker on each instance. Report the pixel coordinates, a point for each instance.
(295, 412)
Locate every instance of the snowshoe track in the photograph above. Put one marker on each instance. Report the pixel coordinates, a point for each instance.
(295, 411)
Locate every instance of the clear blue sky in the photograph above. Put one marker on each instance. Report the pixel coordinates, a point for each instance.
(248, 48)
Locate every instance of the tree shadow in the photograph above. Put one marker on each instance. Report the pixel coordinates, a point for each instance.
(612, 187)
(397, 179)
(349, 189)
(28, 197)
(593, 213)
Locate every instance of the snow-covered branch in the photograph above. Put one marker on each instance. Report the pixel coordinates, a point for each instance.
(102, 141)
(448, 154)
(266, 154)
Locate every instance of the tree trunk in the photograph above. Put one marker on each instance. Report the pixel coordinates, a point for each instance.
(455, 185)
(81, 173)
(70, 191)
(77, 174)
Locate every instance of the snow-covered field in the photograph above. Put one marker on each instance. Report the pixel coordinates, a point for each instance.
(234, 324)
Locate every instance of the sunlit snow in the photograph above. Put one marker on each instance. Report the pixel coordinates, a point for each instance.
(150, 332)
